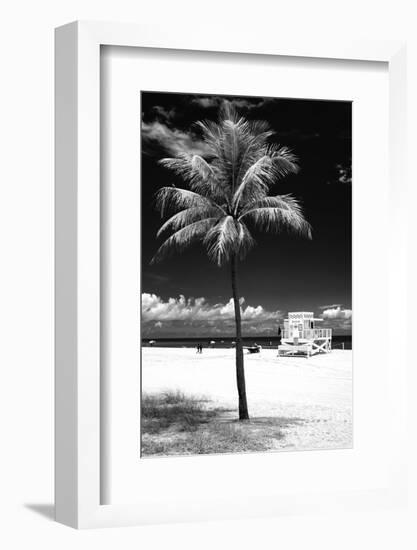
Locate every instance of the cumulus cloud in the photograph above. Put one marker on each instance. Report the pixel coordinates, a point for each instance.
(155, 309)
(173, 140)
(337, 313)
(336, 317)
(162, 114)
(185, 317)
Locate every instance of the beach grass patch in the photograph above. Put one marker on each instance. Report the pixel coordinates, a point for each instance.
(177, 424)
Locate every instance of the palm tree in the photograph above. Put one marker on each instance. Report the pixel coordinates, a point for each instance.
(227, 195)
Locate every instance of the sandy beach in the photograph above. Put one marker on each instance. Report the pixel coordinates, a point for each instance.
(309, 399)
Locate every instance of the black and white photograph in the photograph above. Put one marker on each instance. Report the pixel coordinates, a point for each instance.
(246, 274)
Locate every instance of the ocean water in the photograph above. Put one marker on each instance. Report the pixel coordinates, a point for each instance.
(338, 342)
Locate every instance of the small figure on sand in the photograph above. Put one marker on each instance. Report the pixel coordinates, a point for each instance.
(199, 348)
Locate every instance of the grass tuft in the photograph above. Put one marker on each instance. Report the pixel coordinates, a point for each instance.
(177, 424)
(173, 411)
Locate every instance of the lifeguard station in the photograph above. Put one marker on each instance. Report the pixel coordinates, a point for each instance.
(301, 337)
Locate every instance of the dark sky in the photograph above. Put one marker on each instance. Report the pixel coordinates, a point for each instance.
(282, 273)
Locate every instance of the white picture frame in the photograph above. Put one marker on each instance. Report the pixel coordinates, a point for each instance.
(78, 409)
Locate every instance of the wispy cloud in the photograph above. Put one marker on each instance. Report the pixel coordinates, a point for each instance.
(330, 306)
(243, 105)
(206, 102)
(173, 140)
(155, 277)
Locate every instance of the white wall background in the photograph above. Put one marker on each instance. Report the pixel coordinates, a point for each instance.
(26, 273)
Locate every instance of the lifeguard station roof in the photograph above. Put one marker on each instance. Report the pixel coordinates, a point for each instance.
(303, 315)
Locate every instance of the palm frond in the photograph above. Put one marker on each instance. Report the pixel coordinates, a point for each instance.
(231, 150)
(183, 238)
(187, 216)
(255, 182)
(228, 112)
(211, 133)
(222, 240)
(198, 173)
(235, 144)
(226, 238)
(206, 180)
(277, 213)
(180, 165)
(189, 167)
(174, 199)
(285, 162)
(246, 241)
(276, 163)
(201, 169)
(256, 142)
(285, 202)
(260, 128)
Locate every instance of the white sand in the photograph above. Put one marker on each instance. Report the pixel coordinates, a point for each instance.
(316, 391)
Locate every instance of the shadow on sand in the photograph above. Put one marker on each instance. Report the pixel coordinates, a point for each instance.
(175, 424)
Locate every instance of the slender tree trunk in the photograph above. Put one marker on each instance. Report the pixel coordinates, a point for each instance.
(240, 372)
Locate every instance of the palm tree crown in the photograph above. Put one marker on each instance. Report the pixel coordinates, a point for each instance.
(228, 192)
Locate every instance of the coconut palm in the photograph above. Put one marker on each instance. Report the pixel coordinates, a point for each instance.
(226, 197)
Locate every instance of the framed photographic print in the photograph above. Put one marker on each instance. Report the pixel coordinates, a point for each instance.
(228, 259)
(253, 242)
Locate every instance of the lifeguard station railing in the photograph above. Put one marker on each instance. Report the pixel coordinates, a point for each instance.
(308, 334)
